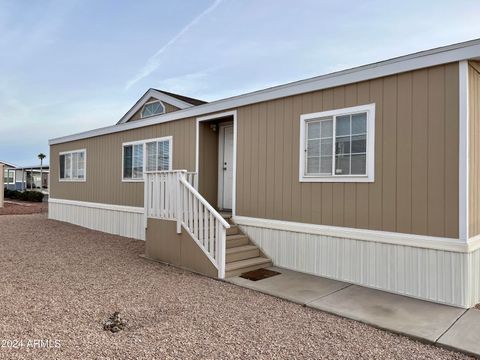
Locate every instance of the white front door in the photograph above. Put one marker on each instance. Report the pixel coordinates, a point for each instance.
(225, 175)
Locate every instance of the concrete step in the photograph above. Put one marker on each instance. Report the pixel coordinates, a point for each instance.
(236, 240)
(239, 267)
(233, 230)
(242, 253)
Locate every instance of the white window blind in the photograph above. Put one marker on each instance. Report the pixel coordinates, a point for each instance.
(156, 154)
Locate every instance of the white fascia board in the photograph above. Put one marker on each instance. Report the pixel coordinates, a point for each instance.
(157, 95)
(424, 59)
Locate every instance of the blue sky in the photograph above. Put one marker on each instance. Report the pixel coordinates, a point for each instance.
(70, 66)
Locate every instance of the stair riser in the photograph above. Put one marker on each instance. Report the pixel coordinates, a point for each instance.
(237, 242)
(243, 255)
(238, 272)
(233, 231)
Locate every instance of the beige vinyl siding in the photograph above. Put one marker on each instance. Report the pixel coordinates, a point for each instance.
(138, 114)
(416, 157)
(104, 163)
(474, 148)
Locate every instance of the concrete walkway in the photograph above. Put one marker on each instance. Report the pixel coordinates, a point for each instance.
(444, 325)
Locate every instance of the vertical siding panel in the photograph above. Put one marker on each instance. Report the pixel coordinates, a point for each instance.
(255, 162)
(327, 188)
(247, 163)
(279, 159)
(307, 187)
(338, 188)
(404, 154)
(289, 174)
(363, 97)
(350, 188)
(375, 209)
(389, 153)
(262, 135)
(436, 151)
(296, 186)
(317, 103)
(270, 168)
(451, 145)
(240, 202)
(419, 151)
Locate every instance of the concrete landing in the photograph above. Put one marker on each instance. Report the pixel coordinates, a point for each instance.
(293, 286)
(464, 335)
(439, 324)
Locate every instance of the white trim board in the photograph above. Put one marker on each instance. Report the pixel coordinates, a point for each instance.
(123, 208)
(157, 95)
(424, 59)
(232, 113)
(421, 241)
(463, 155)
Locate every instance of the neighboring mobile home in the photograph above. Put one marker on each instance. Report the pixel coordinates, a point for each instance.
(26, 177)
(369, 175)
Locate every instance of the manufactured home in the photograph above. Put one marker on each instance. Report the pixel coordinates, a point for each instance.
(26, 177)
(369, 175)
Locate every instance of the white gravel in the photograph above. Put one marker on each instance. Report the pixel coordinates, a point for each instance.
(60, 282)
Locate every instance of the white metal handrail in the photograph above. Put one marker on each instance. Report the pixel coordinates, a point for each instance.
(171, 195)
(203, 223)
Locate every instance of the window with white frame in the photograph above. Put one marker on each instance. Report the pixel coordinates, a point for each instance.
(338, 145)
(146, 155)
(152, 108)
(73, 165)
(9, 176)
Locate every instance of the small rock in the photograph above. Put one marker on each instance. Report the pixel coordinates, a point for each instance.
(114, 323)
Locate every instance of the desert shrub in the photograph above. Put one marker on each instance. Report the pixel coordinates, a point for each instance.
(34, 196)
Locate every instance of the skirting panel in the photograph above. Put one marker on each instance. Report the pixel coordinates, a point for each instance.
(123, 221)
(435, 275)
(474, 277)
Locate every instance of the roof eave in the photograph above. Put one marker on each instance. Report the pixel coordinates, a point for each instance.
(448, 54)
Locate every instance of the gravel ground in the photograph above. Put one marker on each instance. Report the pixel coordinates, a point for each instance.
(22, 207)
(60, 282)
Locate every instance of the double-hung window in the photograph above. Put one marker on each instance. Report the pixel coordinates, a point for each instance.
(338, 145)
(73, 165)
(146, 155)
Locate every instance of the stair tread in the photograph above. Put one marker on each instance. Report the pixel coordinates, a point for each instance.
(241, 248)
(246, 263)
(236, 236)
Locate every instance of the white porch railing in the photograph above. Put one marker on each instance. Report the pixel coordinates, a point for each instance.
(171, 195)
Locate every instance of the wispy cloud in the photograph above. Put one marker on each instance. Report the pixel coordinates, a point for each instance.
(154, 61)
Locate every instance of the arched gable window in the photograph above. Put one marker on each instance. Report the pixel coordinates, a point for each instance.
(152, 108)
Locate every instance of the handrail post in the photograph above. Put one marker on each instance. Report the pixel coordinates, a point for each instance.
(145, 199)
(179, 203)
(221, 251)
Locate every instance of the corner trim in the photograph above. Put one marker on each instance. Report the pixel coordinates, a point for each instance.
(420, 241)
(463, 166)
(122, 208)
